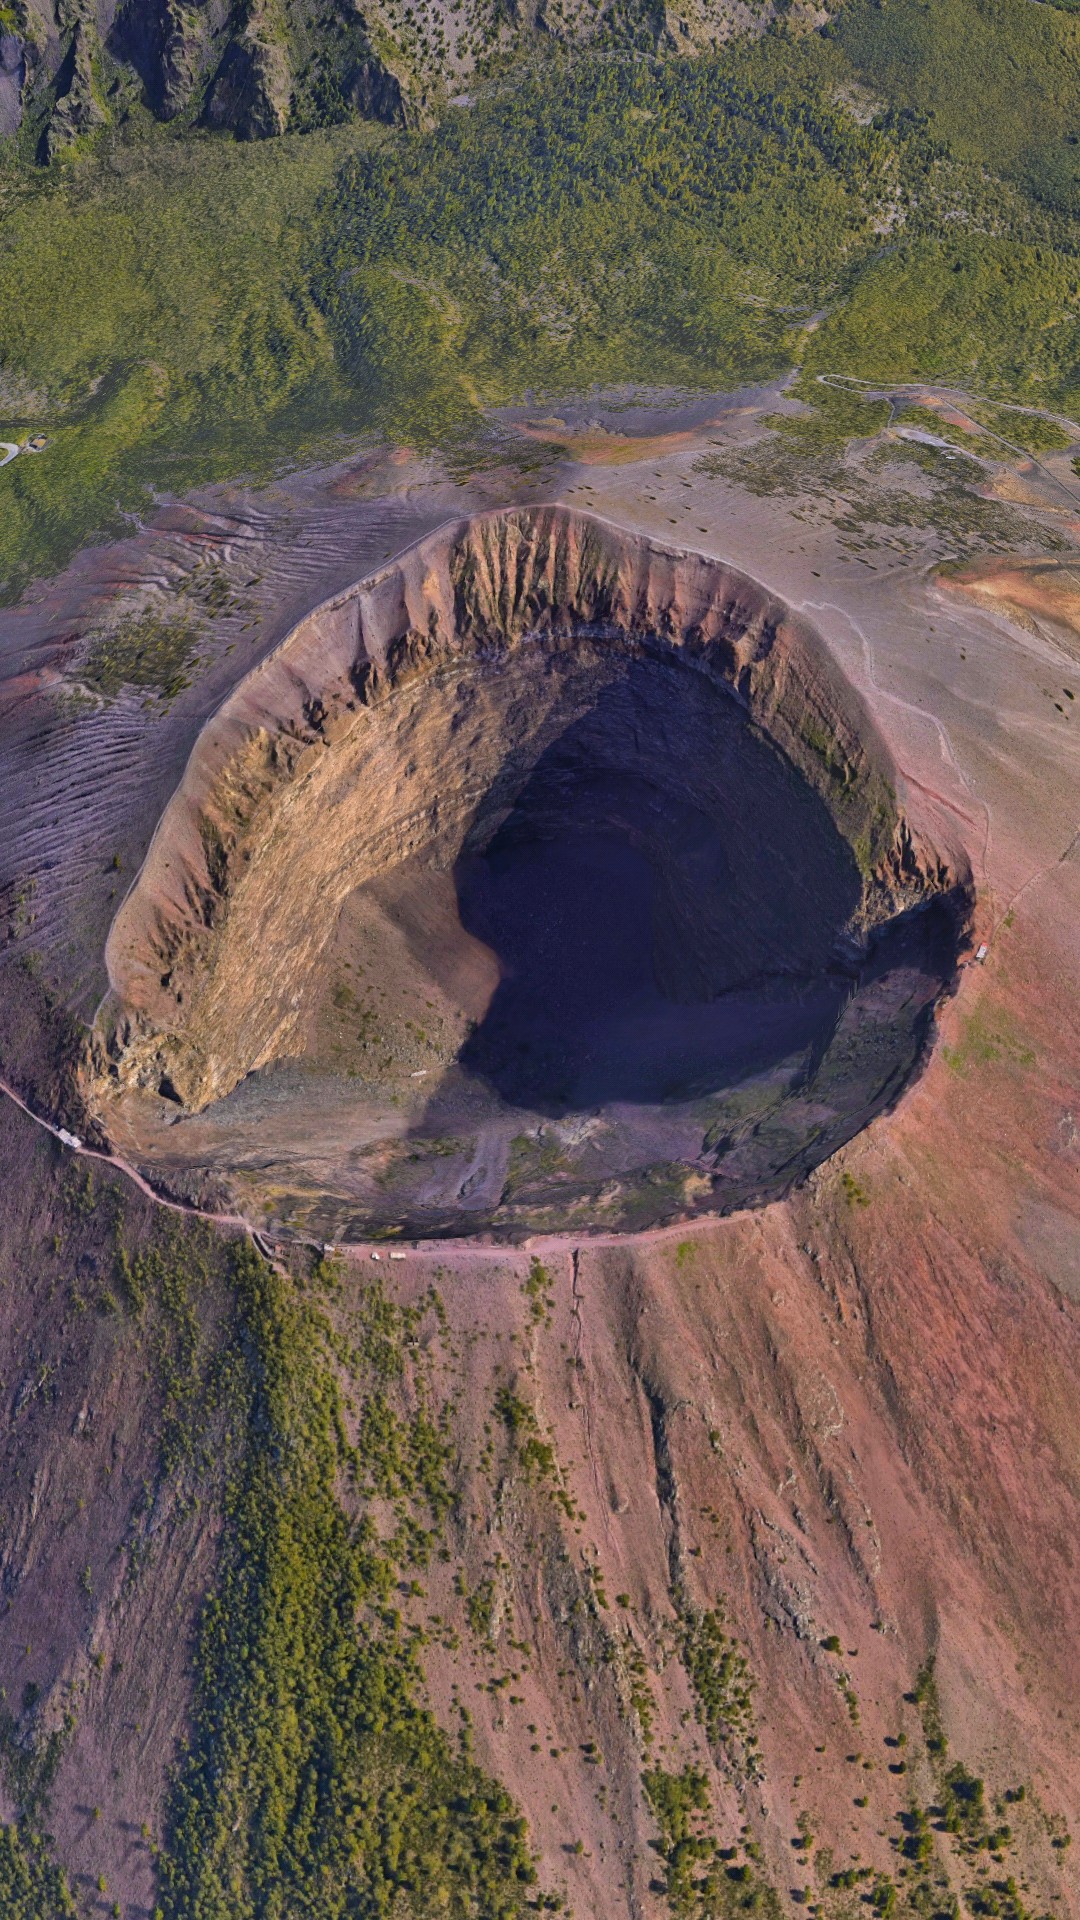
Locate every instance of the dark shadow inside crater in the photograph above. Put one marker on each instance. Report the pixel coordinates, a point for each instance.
(666, 899)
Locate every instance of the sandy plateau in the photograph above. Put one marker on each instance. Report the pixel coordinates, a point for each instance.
(844, 1413)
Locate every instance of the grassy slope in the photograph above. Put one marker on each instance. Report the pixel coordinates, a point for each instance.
(678, 226)
(599, 223)
(992, 301)
(191, 311)
(159, 310)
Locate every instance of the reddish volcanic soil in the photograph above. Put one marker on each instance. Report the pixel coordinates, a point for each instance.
(852, 1412)
(1031, 593)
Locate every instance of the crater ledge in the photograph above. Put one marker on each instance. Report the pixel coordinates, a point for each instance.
(548, 878)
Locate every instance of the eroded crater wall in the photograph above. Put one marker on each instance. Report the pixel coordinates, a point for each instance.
(393, 715)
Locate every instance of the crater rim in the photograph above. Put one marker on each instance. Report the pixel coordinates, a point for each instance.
(470, 597)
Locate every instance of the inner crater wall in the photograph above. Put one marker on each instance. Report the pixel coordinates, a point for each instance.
(405, 716)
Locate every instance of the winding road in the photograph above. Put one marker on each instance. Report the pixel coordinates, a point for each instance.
(79, 1147)
(891, 390)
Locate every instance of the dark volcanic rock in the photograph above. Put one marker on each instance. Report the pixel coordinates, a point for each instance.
(251, 93)
(252, 70)
(375, 94)
(77, 107)
(12, 81)
(172, 47)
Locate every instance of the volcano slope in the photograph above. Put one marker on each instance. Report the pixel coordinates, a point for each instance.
(546, 878)
(720, 1569)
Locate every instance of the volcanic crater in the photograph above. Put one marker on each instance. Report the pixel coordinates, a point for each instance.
(547, 878)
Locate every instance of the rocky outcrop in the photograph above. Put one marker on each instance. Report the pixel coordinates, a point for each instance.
(257, 69)
(374, 92)
(12, 81)
(251, 93)
(239, 66)
(188, 36)
(77, 109)
(174, 46)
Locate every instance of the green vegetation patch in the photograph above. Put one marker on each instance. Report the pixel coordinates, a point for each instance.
(158, 306)
(837, 414)
(894, 199)
(724, 1688)
(979, 309)
(32, 1887)
(1032, 431)
(988, 1040)
(998, 79)
(855, 1195)
(316, 1783)
(700, 1884)
(678, 222)
(600, 221)
(147, 652)
(534, 1455)
(537, 1288)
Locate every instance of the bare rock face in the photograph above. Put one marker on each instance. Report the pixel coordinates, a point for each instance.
(174, 46)
(374, 92)
(255, 72)
(257, 69)
(252, 90)
(12, 81)
(187, 41)
(563, 870)
(77, 109)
